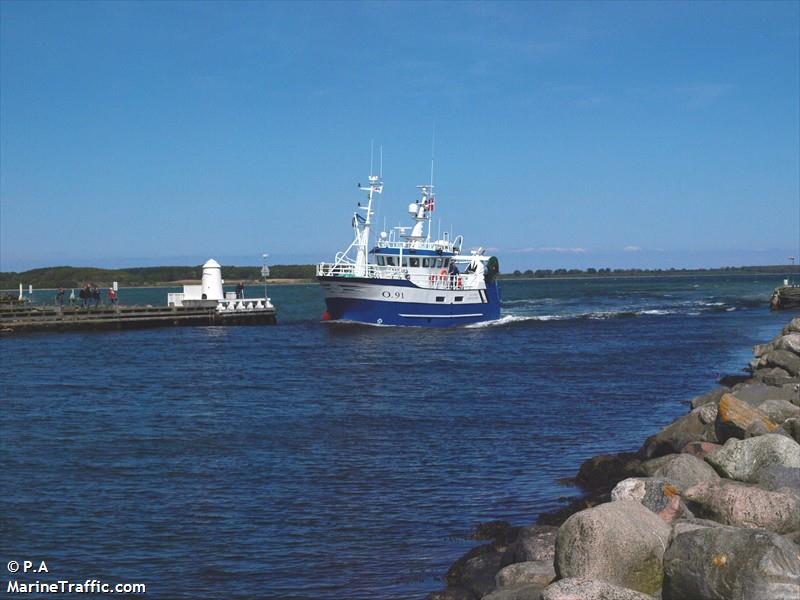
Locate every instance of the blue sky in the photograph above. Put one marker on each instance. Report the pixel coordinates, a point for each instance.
(567, 134)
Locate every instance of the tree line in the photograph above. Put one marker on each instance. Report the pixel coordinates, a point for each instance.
(606, 272)
(73, 277)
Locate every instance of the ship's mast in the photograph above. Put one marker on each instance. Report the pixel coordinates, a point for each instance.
(361, 224)
(433, 148)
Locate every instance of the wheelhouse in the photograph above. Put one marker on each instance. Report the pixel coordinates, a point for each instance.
(412, 258)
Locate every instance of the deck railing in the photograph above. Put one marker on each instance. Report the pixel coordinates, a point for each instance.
(460, 281)
(344, 269)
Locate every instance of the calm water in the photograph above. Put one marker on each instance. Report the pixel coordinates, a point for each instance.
(322, 461)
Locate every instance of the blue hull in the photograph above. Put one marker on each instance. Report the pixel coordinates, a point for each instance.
(375, 312)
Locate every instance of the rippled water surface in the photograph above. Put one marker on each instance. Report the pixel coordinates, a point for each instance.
(333, 461)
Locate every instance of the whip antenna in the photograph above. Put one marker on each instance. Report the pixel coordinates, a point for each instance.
(433, 148)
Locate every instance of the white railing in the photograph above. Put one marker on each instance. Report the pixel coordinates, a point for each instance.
(462, 281)
(229, 304)
(244, 305)
(351, 270)
(437, 281)
(415, 245)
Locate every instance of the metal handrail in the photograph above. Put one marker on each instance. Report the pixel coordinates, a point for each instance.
(461, 281)
(417, 245)
(352, 270)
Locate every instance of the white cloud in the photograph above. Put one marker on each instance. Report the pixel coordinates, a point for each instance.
(631, 248)
(550, 249)
(701, 95)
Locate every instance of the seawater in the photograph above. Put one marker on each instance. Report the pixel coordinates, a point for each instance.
(311, 460)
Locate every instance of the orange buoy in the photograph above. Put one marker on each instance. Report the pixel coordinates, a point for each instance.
(326, 316)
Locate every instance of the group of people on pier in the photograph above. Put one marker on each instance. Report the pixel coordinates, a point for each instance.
(88, 296)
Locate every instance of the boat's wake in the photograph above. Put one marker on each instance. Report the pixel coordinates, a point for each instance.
(513, 316)
(512, 319)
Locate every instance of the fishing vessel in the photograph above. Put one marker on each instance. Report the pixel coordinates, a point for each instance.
(406, 278)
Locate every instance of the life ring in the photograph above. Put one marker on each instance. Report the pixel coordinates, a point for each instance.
(443, 274)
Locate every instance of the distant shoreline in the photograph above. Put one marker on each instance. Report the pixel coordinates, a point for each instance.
(248, 283)
(503, 278)
(177, 276)
(665, 275)
(172, 284)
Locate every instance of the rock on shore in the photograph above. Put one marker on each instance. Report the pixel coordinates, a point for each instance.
(733, 503)
(707, 508)
(620, 542)
(728, 562)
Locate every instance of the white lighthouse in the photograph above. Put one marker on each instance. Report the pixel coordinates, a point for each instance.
(211, 287)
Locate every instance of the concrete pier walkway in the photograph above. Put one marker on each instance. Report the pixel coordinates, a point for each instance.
(17, 319)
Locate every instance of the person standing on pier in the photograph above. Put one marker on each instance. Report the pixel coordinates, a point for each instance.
(60, 297)
(112, 296)
(84, 296)
(240, 290)
(96, 295)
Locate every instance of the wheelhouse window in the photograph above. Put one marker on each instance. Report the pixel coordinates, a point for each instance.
(405, 261)
(390, 261)
(426, 263)
(380, 259)
(438, 263)
(413, 262)
(446, 262)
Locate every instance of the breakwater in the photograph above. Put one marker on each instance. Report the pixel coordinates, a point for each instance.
(708, 507)
(785, 297)
(26, 319)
